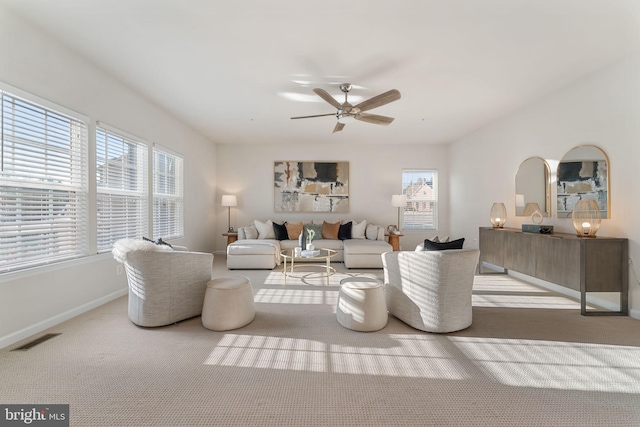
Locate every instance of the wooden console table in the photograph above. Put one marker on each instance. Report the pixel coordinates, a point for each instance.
(584, 264)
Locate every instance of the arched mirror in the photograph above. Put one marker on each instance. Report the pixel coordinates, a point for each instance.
(533, 187)
(583, 174)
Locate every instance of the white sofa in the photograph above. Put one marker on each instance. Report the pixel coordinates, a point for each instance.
(364, 251)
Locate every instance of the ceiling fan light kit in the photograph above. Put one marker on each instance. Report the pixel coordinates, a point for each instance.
(347, 113)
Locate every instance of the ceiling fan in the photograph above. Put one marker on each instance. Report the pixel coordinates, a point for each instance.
(347, 112)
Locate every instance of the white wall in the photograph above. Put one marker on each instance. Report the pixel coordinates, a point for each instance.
(33, 62)
(375, 173)
(601, 109)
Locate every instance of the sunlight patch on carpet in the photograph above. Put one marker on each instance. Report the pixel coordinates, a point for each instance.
(555, 364)
(397, 355)
(497, 290)
(297, 296)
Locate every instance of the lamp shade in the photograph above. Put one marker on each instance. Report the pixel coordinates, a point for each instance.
(530, 208)
(586, 218)
(398, 200)
(498, 215)
(229, 200)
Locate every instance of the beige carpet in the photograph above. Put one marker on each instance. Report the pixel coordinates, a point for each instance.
(529, 359)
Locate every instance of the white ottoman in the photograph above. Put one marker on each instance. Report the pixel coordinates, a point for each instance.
(362, 305)
(228, 304)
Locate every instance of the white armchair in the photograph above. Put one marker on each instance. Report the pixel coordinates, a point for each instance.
(165, 285)
(431, 290)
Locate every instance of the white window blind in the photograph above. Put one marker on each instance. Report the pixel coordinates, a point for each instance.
(43, 184)
(421, 189)
(168, 204)
(121, 177)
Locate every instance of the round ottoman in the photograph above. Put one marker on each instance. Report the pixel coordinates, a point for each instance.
(362, 305)
(228, 304)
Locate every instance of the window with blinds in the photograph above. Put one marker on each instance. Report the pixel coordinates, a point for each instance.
(421, 188)
(43, 183)
(168, 205)
(122, 189)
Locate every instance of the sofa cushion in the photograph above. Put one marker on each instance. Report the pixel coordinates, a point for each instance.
(358, 229)
(294, 229)
(330, 231)
(250, 232)
(430, 245)
(344, 232)
(374, 232)
(265, 229)
(366, 247)
(336, 245)
(253, 247)
(280, 231)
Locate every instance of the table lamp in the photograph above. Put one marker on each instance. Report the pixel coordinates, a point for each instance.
(229, 200)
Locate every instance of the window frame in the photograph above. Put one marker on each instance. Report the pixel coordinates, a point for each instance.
(408, 187)
(47, 148)
(130, 189)
(168, 223)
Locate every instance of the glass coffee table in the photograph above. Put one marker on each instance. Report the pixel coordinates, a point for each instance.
(290, 261)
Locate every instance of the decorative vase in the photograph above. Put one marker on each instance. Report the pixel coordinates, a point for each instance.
(310, 246)
(302, 241)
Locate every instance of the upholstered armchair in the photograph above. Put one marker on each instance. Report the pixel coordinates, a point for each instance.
(431, 290)
(165, 285)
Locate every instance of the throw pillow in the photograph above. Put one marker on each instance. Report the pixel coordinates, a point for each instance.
(371, 232)
(430, 245)
(280, 231)
(358, 230)
(158, 242)
(317, 228)
(344, 232)
(294, 230)
(251, 232)
(265, 229)
(330, 231)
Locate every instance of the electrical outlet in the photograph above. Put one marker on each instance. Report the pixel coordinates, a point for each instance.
(119, 269)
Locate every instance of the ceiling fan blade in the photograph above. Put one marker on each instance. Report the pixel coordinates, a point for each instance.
(317, 115)
(325, 95)
(374, 118)
(380, 100)
(338, 128)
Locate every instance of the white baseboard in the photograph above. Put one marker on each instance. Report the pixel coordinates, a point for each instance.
(52, 321)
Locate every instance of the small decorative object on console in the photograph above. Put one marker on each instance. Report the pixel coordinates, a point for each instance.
(537, 228)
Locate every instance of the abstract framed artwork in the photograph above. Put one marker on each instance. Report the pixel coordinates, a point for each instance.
(309, 186)
(582, 180)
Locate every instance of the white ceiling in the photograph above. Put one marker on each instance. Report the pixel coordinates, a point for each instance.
(237, 71)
